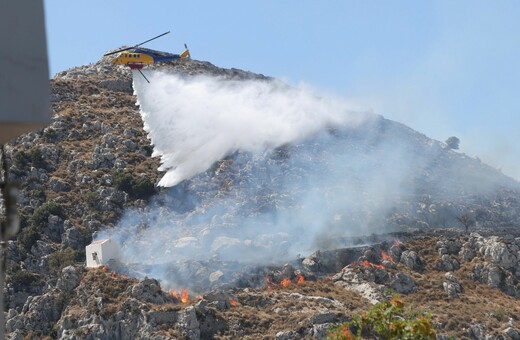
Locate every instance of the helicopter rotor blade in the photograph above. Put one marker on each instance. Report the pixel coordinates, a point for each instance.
(129, 48)
(121, 50)
(144, 42)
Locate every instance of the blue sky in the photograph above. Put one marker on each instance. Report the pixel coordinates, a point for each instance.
(442, 67)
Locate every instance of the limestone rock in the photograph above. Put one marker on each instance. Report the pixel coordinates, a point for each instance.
(411, 260)
(188, 323)
(403, 284)
(73, 238)
(512, 333)
(41, 310)
(57, 185)
(149, 290)
(447, 263)
(452, 286)
(69, 278)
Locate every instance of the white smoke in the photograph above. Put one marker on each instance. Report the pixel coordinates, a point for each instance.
(304, 173)
(194, 122)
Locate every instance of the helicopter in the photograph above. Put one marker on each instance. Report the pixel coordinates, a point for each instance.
(136, 57)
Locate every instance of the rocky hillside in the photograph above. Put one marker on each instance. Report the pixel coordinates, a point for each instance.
(93, 163)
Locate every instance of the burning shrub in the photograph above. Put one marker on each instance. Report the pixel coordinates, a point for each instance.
(385, 320)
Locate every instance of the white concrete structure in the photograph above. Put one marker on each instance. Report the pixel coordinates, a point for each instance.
(100, 252)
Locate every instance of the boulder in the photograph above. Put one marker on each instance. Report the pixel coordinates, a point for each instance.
(287, 335)
(449, 246)
(403, 284)
(73, 238)
(512, 333)
(70, 278)
(148, 290)
(40, 311)
(188, 323)
(447, 263)
(452, 286)
(411, 260)
(218, 299)
(58, 185)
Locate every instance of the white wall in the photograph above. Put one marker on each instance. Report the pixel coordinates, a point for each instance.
(105, 251)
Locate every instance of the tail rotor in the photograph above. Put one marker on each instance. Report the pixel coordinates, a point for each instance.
(186, 53)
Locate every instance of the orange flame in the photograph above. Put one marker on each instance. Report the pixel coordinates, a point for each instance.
(113, 275)
(104, 268)
(386, 256)
(300, 279)
(173, 293)
(233, 302)
(183, 295)
(370, 264)
(269, 283)
(285, 282)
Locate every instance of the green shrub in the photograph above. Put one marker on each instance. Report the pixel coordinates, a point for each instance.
(21, 159)
(123, 181)
(37, 194)
(92, 198)
(148, 150)
(50, 135)
(385, 320)
(135, 187)
(24, 220)
(143, 188)
(28, 238)
(23, 278)
(501, 314)
(66, 257)
(37, 159)
(41, 215)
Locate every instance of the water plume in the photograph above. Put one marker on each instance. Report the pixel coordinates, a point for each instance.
(194, 122)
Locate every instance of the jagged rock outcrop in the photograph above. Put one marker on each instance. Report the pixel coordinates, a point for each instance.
(412, 260)
(452, 286)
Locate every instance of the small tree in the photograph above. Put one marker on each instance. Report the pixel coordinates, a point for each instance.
(466, 221)
(453, 142)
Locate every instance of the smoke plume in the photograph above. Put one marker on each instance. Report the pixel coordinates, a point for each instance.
(260, 172)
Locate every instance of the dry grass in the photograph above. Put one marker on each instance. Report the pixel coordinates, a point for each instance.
(261, 313)
(115, 109)
(477, 304)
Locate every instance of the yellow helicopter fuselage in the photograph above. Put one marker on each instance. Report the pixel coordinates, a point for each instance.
(126, 58)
